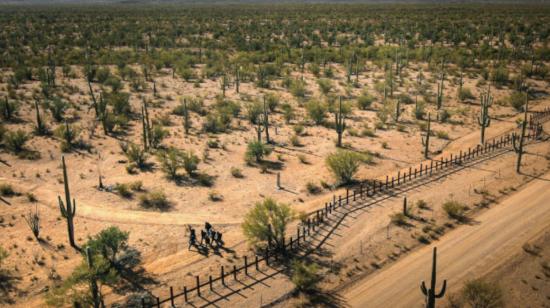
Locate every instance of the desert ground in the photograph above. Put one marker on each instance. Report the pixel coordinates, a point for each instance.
(367, 259)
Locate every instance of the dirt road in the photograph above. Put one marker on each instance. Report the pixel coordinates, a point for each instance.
(463, 254)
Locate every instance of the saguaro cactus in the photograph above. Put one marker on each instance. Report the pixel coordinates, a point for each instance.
(397, 110)
(40, 126)
(237, 78)
(340, 122)
(484, 120)
(186, 121)
(518, 142)
(68, 209)
(94, 101)
(426, 139)
(440, 87)
(430, 293)
(266, 121)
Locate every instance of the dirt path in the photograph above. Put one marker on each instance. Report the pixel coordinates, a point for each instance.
(463, 254)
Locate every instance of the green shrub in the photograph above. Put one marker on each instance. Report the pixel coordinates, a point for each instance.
(272, 101)
(256, 150)
(6, 190)
(123, 190)
(365, 101)
(305, 277)
(316, 111)
(158, 133)
(398, 219)
(295, 141)
(343, 164)
(15, 141)
(57, 107)
(135, 154)
(480, 293)
(156, 199)
(517, 100)
(267, 220)
(236, 172)
(442, 135)
(298, 88)
(455, 210)
(313, 188)
(325, 85)
(465, 94)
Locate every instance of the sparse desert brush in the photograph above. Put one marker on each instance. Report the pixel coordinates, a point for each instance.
(123, 190)
(398, 219)
(156, 199)
(295, 141)
(6, 190)
(455, 210)
(313, 188)
(421, 204)
(135, 154)
(15, 141)
(236, 172)
(214, 196)
(256, 150)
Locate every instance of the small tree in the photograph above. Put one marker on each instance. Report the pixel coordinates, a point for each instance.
(343, 164)
(304, 276)
(171, 160)
(109, 243)
(256, 150)
(266, 223)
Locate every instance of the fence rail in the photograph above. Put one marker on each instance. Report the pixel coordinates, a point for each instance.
(365, 189)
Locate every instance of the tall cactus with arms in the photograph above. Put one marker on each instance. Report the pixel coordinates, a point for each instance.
(483, 119)
(340, 122)
(68, 209)
(430, 293)
(426, 140)
(518, 142)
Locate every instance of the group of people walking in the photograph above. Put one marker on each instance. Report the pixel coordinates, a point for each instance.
(208, 236)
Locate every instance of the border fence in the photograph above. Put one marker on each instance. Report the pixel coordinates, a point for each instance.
(364, 189)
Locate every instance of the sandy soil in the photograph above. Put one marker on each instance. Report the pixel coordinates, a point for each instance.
(160, 236)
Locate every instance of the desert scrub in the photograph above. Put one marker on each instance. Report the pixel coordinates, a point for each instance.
(256, 150)
(214, 196)
(236, 173)
(313, 188)
(421, 204)
(343, 164)
(123, 190)
(15, 141)
(455, 210)
(398, 219)
(155, 199)
(295, 141)
(303, 159)
(6, 190)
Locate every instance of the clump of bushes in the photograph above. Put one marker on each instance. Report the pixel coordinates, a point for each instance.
(344, 164)
(455, 210)
(155, 199)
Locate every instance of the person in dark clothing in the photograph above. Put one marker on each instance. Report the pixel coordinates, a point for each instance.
(192, 239)
(203, 236)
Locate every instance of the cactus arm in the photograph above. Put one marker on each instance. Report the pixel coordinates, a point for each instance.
(62, 207)
(443, 289)
(423, 288)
